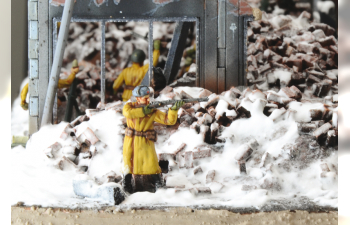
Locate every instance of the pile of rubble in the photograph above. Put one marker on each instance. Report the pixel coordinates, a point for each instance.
(317, 140)
(308, 57)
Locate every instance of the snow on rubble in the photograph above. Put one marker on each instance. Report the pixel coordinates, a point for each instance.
(239, 149)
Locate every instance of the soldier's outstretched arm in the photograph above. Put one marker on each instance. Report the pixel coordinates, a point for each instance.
(168, 118)
(131, 112)
(67, 82)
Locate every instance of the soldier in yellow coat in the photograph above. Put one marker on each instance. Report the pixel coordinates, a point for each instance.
(133, 76)
(139, 155)
(61, 84)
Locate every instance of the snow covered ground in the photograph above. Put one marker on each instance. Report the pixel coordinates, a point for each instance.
(38, 180)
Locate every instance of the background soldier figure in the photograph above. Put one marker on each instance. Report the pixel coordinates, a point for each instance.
(61, 84)
(133, 76)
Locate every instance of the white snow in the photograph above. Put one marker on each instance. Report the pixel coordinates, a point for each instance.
(303, 110)
(37, 180)
(192, 91)
(325, 6)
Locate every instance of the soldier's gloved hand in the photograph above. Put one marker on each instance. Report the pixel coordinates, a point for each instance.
(147, 110)
(24, 105)
(178, 105)
(156, 44)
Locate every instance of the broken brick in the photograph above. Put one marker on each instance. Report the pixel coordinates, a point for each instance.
(243, 111)
(328, 41)
(210, 176)
(265, 68)
(66, 164)
(316, 114)
(242, 167)
(67, 132)
(166, 156)
(332, 138)
(201, 151)
(321, 132)
(166, 90)
(88, 136)
(50, 151)
(180, 148)
(197, 170)
(189, 160)
(203, 190)
(297, 92)
(307, 127)
(243, 153)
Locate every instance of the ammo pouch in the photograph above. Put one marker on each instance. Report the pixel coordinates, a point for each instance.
(149, 134)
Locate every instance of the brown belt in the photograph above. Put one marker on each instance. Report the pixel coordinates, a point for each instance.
(149, 134)
(129, 87)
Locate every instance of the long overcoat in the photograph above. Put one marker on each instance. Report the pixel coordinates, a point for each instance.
(139, 155)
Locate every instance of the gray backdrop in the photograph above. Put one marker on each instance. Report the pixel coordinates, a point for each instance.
(19, 47)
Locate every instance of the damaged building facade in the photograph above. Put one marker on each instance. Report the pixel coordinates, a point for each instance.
(221, 39)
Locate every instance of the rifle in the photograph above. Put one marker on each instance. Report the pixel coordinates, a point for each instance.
(158, 104)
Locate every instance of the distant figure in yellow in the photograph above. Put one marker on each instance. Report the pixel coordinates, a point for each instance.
(133, 76)
(139, 154)
(61, 84)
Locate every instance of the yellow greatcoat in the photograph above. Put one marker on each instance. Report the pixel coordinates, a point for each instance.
(139, 154)
(133, 76)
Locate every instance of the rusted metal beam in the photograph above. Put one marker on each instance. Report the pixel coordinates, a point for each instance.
(176, 51)
(57, 62)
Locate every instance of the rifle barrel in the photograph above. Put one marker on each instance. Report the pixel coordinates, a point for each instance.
(169, 102)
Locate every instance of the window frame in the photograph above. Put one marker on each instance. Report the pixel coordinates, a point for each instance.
(103, 22)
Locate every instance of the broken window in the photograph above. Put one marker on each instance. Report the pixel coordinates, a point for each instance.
(103, 49)
(84, 44)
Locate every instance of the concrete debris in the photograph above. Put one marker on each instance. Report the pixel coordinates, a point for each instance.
(109, 192)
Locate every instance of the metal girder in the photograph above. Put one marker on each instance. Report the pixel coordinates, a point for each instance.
(149, 75)
(211, 46)
(57, 63)
(176, 51)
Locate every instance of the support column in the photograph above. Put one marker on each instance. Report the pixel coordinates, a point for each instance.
(33, 55)
(211, 46)
(221, 45)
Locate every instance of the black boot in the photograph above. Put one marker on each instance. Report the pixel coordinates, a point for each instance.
(157, 179)
(127, 183)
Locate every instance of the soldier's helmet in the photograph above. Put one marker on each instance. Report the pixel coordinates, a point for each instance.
(141, 91)
(138, 56)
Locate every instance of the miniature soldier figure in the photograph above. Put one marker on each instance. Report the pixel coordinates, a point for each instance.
(133, 76)
(61, 84)
(139, 155)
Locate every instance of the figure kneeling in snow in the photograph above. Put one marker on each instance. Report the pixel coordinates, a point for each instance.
(139, 155)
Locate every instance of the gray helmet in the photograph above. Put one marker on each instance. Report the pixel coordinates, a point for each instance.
(138, 56)
(141, 91)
